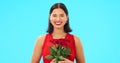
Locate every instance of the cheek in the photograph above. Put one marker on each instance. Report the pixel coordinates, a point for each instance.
(65, 20)
(51, 19)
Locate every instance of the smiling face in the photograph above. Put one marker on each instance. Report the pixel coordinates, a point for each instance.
(58, 18)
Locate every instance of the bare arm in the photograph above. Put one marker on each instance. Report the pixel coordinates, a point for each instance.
(37, 50)
(79, 51)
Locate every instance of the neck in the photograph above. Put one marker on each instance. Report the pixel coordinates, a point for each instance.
(58, 33)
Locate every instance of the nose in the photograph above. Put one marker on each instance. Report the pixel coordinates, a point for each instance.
(58, 18)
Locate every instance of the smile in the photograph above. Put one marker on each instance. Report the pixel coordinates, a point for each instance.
(58, 23)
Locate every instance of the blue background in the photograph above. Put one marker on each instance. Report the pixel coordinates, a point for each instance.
(95, 22)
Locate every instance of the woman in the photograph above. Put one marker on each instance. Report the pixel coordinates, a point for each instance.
(58, 28)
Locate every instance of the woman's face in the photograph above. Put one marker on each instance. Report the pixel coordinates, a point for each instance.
(58, 18)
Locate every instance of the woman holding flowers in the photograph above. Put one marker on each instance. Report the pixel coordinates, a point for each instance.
(58, 46)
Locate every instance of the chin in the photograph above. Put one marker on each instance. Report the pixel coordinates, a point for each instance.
(58, 27)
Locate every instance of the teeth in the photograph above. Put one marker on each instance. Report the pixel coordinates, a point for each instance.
(58, 23)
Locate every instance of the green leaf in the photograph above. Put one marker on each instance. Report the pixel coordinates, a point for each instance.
(57, 59)
(49, 57)
(53, 50)
(61, 58)
(58, 52)
(66, 52)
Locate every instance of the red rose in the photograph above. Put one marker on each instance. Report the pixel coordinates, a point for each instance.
(62, 42)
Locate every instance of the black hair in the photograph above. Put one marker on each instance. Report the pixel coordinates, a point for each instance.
(67, 28)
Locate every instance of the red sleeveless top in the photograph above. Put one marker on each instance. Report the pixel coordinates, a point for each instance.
(47, 44)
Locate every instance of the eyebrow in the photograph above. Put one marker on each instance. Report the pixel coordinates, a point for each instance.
(56, 14)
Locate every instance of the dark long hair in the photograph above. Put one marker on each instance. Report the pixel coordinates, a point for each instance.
(67, 28)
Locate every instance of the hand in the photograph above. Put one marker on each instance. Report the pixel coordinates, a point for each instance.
(53, 61)
(66, 61)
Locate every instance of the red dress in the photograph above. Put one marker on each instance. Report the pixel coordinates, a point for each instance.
(47, 44)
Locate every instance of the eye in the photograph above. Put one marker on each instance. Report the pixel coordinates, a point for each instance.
(62, 15)
(54, 15)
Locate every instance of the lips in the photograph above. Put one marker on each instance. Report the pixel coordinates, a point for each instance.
(58, 23)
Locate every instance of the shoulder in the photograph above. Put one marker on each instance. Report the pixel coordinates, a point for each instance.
(40, 40)
(79, 50)
(76, 38)
(38, 49)
(77, 41)
(41, 37)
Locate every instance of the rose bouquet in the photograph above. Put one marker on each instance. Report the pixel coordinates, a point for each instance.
(59, 50)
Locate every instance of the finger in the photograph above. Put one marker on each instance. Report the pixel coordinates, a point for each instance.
(53, 61)
(61, 62)
(68, 61)
(65, 59)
